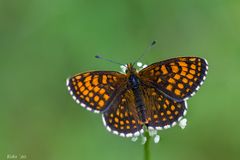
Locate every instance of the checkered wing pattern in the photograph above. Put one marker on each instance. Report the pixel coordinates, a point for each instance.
(122, 118)
(178, 78)
(162, 112)
(96, 90)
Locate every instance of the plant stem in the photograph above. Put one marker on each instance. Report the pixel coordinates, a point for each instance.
(146, 147)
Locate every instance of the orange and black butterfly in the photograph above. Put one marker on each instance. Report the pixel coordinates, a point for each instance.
(154, 97)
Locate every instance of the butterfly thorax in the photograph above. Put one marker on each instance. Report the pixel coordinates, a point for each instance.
(133, 80)
(134, 85)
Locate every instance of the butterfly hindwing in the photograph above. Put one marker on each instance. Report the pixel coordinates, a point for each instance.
(95, 90)
(178, 78)
(162, 112)
(122, 118)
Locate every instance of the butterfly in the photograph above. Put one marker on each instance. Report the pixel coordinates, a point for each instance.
(154, 97)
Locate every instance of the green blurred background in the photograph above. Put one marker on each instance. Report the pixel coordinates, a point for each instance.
(42, 42)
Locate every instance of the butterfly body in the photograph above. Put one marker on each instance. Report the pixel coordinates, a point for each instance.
(154, 96)
(134, 84)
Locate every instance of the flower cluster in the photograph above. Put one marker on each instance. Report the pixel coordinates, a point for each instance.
(154, 133)
(140, 66)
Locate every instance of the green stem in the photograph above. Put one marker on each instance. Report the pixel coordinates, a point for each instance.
(146, 147)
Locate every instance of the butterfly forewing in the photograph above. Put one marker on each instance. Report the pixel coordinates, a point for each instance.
(162, 112)
(178, 78)
(122, 118)
(96, 90)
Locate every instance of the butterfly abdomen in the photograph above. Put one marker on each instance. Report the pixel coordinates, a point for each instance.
(134, 85)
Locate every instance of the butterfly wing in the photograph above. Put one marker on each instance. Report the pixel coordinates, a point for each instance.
(122, 118)
(162, 112)
(177, 78)
(96, 90)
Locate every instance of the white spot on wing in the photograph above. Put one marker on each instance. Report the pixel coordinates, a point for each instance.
(67, 82)
(108, 128)
(179, 119)
(193, 94)
(206, 61)
(96, 111)
(122, 134)
(186, 105)
(167, 126)
(103, 119)
(83, 105)
(144, 66)
(136, 133)
(159, 128)
(89, 109)
(174, 124)
(115, 132)
(185, 112)
(197, 88)
(129, 135)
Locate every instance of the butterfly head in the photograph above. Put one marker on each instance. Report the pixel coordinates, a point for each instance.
(130, 69)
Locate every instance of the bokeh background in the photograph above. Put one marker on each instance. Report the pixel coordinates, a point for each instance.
(44, 42)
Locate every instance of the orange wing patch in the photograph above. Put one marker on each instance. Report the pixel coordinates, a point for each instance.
(95, 90)
(122, 119)
(162, 111)
(179, 77)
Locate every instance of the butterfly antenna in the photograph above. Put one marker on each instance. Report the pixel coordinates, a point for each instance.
(147, 50)
(108, 60)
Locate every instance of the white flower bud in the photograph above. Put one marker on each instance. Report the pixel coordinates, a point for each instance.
(156, 138)
(183, 123)
(144, 140)
(139, 64)
(134, 139)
